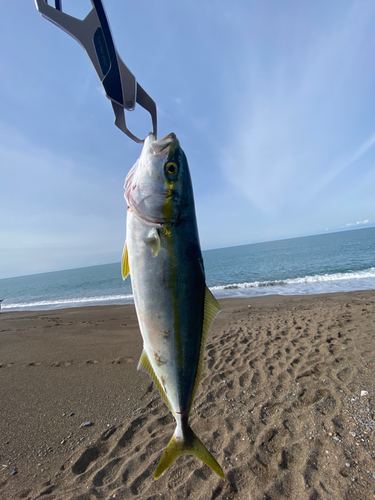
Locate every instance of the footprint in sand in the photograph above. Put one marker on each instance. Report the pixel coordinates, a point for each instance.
(58, 364)
(107, 474)
(121, 360)
(92, 454)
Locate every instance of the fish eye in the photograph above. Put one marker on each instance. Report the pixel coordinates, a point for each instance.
(171, 168)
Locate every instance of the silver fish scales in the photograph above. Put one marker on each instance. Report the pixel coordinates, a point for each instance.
(174, 306)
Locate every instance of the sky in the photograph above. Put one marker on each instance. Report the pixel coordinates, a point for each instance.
(273, 103)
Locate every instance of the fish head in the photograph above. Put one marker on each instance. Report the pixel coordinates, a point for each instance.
(158, 187)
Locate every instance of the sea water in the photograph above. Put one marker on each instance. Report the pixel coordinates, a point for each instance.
(332, 262)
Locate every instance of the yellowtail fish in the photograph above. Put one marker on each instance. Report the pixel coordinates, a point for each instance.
(174, 306)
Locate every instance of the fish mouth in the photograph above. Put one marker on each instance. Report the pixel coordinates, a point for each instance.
(160, 146)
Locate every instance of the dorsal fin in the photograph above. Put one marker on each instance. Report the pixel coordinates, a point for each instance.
(125, 262)
(211, 309)
(144, 363)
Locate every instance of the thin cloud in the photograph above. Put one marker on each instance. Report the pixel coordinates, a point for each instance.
(359, 223)
(51, 206)
(362, 150)
(292, 123)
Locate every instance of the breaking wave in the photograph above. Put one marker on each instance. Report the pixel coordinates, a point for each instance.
(74, 302)
(318, 283)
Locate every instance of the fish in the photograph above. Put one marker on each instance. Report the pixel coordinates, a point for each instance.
(174, 306)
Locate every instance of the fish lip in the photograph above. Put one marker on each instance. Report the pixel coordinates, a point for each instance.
(159, 147)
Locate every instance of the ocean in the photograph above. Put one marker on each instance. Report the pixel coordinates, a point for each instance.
(332, 262)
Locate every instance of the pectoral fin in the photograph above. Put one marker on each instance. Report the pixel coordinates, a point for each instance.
(144, 363)
(153, 242)
(125, 262)
(211, 309)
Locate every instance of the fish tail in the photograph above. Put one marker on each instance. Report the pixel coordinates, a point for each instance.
(188, 443)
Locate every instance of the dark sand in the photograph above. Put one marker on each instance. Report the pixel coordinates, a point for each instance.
(279, 404)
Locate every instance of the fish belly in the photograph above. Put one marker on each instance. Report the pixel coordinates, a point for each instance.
(168, 293)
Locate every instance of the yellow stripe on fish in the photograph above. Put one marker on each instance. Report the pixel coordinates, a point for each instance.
(174, 306)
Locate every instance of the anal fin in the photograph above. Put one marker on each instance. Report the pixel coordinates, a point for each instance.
(144, 363)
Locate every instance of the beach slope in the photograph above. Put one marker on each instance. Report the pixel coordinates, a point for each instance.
(286, 404)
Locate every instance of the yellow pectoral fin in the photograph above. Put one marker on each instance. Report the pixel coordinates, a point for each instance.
(125, 262)
(211, 309)
(144, 363)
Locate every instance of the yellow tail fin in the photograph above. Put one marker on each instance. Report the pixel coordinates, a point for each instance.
(190, 443)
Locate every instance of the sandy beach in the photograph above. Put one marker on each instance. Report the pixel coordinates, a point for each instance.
(285, 404)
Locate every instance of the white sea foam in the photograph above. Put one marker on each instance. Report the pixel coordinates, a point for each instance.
(63, 303)
(318, 283)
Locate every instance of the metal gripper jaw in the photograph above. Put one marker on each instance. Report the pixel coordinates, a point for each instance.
(94, 34)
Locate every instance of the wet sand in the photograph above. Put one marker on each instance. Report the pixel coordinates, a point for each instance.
(286, 404)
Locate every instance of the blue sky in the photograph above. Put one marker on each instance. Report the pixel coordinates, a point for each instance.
(273, 103)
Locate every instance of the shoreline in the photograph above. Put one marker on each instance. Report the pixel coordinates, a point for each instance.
(284, 370)
(129, 301)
